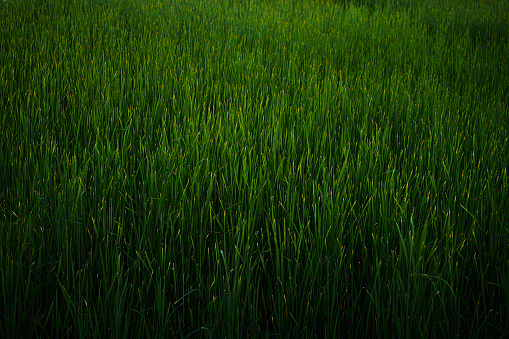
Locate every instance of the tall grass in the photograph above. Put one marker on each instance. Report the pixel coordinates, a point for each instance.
(254, 168)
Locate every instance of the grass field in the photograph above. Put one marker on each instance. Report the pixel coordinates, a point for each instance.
(257, 168)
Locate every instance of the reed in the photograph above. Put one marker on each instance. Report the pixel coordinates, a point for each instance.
(254, 168)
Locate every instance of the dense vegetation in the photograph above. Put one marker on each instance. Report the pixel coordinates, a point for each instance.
(220, 168)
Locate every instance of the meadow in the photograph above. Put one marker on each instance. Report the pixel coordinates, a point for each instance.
(254, 168)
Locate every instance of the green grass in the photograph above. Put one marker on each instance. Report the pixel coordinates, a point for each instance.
(202, 168)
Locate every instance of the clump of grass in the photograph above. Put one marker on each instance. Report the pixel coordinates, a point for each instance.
(221, 168)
